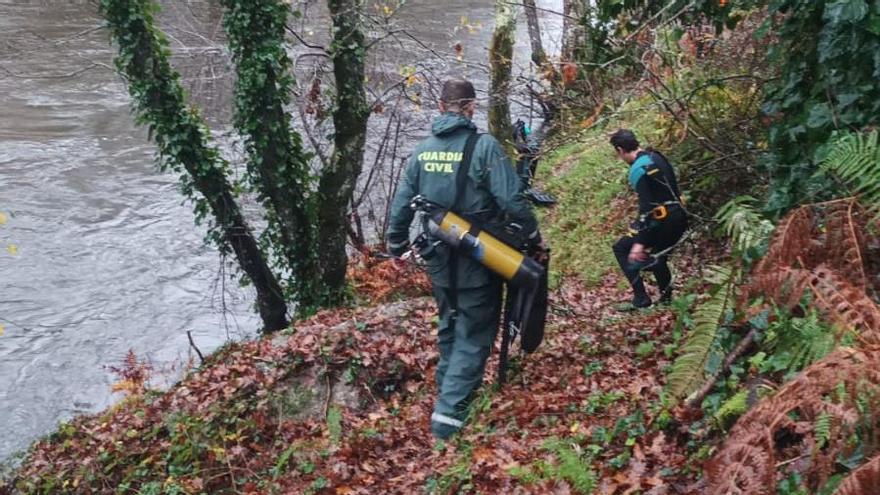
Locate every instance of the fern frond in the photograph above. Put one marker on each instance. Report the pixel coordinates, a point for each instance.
(749, 454)
(822, 429)
(862, 481)
(847, 305)
(688, 370)
(743, 224)
(844, 245)
(855, 158)
(790, 244)
(798, 342)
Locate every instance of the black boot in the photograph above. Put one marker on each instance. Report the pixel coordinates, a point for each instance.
(665, 296)
(640, 298)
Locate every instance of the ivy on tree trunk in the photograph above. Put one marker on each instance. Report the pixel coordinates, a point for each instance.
(350, 116)
(278, 167)
(500, 63)
(182, 139)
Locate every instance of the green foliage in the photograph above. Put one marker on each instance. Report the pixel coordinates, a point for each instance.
(793, 343)
(688, 370)
(822, 429)
(277, 166)
(829, 55)
(334, 423)
(457, 477)
(732, 408)
(856, 159)
(600, 401)
(746, 228)
(281, 464)
(793, 485)
(644, 349)
(572, 465)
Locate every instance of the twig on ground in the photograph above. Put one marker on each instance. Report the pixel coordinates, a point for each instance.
(735, 354)
(193, 345)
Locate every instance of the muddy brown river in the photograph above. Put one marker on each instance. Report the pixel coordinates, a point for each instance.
(99, 253)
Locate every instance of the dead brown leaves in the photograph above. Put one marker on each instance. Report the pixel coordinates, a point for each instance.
(808, 423)
(381, 280)
(236, 411)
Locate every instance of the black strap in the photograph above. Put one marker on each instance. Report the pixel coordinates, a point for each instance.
(460, 184)
(463, 168)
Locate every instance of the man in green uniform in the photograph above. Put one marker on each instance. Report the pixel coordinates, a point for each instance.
(468, 295)
(661, 223)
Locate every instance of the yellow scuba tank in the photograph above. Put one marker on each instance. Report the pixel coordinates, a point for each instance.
(518, 269)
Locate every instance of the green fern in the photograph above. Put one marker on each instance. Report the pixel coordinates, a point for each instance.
(688, 370)
(855, 158)
(795, 343)
(573, 465)
(822, 429)
(740, 221)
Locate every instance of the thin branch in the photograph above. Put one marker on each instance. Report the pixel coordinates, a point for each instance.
(304, 42)
(77, 72)
(735, 354)
(193, 345)
(549, 11)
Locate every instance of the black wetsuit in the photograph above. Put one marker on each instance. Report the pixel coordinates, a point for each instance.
(654, 181)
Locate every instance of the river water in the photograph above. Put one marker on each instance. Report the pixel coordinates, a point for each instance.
(99, 254)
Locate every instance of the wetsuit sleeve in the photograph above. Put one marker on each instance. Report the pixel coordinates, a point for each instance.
(506, 188)
(401, 215)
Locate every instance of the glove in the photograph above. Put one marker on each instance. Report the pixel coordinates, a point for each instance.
(398, 249)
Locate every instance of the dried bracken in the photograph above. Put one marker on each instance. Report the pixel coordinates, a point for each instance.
(845, 242)
(808, 422)
(791, 241)
(785, 425)
(830, 263)
(862, 481)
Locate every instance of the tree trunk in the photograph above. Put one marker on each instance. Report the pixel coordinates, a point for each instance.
(278, 167)
(350, 117)
(539, 57)
(573, 33)
(182, 140)
(500, 63)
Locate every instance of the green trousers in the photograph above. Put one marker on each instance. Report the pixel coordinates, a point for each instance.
(464, 348)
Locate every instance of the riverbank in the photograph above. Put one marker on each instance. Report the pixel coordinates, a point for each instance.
(340, 404)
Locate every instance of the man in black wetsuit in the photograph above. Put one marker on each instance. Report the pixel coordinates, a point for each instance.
(661, 223)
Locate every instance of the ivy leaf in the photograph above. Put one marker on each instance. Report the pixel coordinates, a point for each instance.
(820, 116)
(846, 11)
(847, 99)
(874, 24)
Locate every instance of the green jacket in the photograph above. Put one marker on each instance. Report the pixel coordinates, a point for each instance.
(493, 187)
